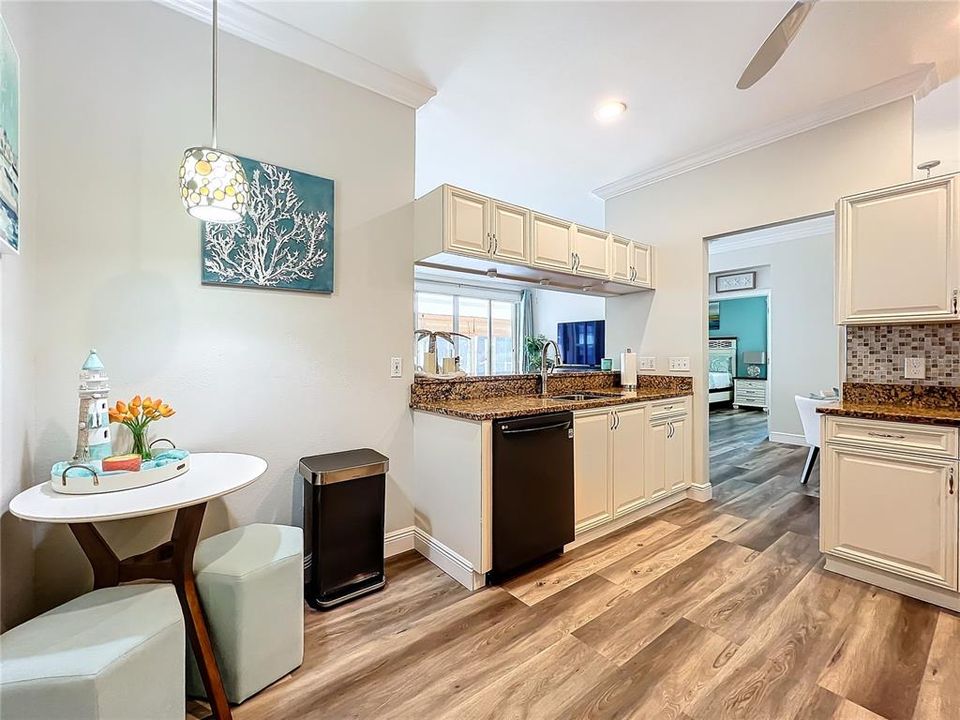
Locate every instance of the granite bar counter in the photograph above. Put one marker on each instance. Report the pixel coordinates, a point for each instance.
(490, 398)
(932, 405)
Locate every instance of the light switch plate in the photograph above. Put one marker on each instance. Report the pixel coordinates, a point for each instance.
(913, 368)
(646, 363)
(396, 367)
(679, 364)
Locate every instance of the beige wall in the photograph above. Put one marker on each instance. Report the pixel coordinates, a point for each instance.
(799, 176)
(804, 343)
(116, 92)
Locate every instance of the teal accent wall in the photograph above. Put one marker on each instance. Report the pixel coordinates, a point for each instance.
(746, 320)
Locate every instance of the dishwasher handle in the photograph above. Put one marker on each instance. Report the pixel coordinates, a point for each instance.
(537, 428)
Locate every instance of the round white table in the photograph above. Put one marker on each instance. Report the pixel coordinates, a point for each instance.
(210, 475)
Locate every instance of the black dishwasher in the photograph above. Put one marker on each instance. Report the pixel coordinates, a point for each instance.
(532, 489)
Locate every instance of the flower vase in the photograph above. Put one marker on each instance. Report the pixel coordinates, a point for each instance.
(140, 445)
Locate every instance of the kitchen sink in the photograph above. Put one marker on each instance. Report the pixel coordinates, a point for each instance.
(583, 397)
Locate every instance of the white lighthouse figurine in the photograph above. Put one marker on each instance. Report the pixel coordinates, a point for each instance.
(93, 427)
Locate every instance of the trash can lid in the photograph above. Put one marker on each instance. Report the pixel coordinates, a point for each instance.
(339, 466)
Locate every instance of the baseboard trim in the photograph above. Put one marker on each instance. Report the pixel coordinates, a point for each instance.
(398, 541)
(700, 493)
(936, 596)
(452, 563)
(788, 438)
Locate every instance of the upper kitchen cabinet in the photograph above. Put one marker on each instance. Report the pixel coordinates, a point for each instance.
(898, 254)
(472, 234)
(631, 262)
(591, 252)
(552, 243)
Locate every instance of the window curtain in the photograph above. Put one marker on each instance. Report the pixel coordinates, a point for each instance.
(525, 318)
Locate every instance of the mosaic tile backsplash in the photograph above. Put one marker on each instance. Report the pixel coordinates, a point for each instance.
(875, 353)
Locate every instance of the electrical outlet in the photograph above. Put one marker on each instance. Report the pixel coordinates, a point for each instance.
(679, 364)
(646, 363)
(913, 368)
(396, 367)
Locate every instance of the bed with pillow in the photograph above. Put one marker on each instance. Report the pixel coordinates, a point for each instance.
(722, 353)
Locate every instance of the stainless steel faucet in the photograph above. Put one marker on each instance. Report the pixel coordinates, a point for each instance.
(543, 364)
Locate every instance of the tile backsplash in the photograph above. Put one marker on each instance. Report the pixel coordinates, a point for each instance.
(875, 353)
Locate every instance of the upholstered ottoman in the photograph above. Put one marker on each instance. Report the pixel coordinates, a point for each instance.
(251, 585)
(114, 653)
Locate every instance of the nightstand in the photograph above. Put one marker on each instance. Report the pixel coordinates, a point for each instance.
(750, 392)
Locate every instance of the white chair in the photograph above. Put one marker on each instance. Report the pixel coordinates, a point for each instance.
(112, 654)
(807, 407)
(250, 581)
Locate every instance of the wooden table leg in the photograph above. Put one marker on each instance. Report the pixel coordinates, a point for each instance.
(186, 530)
(172, 561)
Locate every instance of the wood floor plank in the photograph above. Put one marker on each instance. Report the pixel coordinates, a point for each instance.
(774, 674)
(895, 632)
(939, 695)
(623, 631)
(687, 512)
(753, 503)
(545, 686)
(732, 610)
(465, 666)
(825, 705)
(570, 568)
(729, 489)
(662, 679)
(659, 557)
(788, 512)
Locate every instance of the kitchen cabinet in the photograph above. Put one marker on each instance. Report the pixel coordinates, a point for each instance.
(552, 242)
(889, 499)
(591, 252)
(627, 430)
(669, 449)
(471, 234)
(593, 497)
(898, 254)
(631, 262)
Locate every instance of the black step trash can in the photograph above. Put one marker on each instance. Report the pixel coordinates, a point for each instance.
(343, 511)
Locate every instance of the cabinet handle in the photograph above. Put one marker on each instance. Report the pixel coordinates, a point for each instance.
(893, 436)
(486, 247)
(950, 482)
(955, 293)
(496, 244)
(669, 430)
(617, 416)
(613, 420)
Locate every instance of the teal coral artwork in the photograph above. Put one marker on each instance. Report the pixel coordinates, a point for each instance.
(286, 240)
(9, 143)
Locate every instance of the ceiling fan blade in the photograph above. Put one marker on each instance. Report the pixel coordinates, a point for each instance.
(776, 44)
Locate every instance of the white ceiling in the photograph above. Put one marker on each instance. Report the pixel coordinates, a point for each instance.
(517, 82)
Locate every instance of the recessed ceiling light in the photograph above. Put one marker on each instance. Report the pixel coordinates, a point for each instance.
(609, 110)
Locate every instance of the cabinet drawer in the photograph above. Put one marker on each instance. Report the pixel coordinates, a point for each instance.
(752, 384)
(663, 409)
(904, 437)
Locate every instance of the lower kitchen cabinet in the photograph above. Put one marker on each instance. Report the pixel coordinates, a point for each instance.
(629, 427)
(891, 511)
(669, 455)
(593, 497)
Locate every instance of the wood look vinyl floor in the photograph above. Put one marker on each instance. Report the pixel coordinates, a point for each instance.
(704, 611)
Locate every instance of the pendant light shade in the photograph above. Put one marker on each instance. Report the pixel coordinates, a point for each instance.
(212, 185)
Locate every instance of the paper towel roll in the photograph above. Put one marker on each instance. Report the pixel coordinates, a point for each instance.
(628, 369)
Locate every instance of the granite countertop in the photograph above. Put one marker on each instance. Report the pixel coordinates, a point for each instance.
(892, 412)
(492, 408)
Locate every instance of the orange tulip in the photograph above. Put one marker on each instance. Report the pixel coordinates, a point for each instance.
(121, 406)
(136, 402)
(167, 411)
(147, 402)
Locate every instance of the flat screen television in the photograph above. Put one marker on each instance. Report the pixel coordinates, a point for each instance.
(581, 343)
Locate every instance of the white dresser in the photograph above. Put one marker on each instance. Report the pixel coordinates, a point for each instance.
(748, 392)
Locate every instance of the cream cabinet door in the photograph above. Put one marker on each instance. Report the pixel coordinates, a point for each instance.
(642, 265)
(593, 499)
(898, 254)
(655, 480)
(591, 252)
(551, 242)
(467, 223)
(511, 231)
(629, 427)
(678, 455)
(621, 259)
(891, 511)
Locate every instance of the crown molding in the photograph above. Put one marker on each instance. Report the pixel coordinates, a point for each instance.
(244, 21)
(823, 225)
(916, 84)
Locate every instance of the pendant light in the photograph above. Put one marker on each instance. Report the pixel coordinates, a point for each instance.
(212, 184)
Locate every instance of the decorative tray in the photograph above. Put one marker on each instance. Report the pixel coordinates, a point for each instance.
(90, 477)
